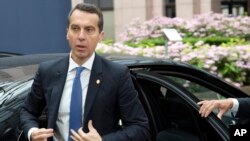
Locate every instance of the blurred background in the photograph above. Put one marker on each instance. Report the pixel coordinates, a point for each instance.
(33, 26)
(215, 33)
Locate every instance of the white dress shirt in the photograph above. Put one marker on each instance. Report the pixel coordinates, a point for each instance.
(235, 107)
(61, 131)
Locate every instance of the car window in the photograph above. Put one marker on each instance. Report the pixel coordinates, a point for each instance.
(175, 119)
(200, 91)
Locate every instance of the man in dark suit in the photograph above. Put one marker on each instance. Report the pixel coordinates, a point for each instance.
(239, 107)
(108, 94)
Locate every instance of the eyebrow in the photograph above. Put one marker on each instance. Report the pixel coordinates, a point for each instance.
(88, 26)
(74, 25)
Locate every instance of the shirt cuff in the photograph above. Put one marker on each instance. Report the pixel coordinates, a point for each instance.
(235, 107)
(30, 132)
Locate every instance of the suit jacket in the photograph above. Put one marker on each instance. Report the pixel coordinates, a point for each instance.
(244, 105)
(112, 99)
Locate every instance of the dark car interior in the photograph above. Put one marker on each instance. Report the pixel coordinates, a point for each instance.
(173, 118)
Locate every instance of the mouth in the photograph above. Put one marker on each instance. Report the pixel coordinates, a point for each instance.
(80, 47)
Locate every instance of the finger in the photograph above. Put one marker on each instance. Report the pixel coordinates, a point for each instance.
(206, 108)
(48, 131)
(201, 102)
(43, 131)
(92, 134)
(42, 134)
(73, 138)
(203, 110)
(90, 126)
(203, 107)
(210, 107)
(74, 135)
(221, 113)
(81, 133)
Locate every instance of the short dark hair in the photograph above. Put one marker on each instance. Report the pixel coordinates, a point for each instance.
(90, 8)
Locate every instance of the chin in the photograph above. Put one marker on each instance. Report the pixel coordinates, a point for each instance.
(82, 55)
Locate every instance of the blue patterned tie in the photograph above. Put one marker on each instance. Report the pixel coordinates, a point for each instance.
(76, 103)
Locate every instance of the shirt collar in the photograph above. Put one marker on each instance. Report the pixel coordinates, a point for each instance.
(87, 65)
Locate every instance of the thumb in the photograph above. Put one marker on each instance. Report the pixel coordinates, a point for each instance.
(220, 114)
(90, 125)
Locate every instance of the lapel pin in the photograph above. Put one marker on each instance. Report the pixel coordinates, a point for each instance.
(98, 81)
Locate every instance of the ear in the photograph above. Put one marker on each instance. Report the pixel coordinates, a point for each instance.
(101, 35)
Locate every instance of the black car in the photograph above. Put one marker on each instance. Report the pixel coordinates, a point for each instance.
(168, 90)
(8, 54)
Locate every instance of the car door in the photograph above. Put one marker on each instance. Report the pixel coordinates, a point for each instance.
(173, 112)
(199, 83)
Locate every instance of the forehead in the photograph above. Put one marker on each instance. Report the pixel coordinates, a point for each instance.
(82, 18)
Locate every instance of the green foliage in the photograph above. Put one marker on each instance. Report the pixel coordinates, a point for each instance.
(228, 69)
(108, 41)
(215, 40)
(147, 42)
(234, 41)
(247, 81)
(160, 41)
(247, 37)
(197, 62)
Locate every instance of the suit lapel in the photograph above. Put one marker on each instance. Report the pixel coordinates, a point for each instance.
(56, 94)
(94, 84)
(60, 77)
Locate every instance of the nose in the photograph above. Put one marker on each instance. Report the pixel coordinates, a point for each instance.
(81, 35)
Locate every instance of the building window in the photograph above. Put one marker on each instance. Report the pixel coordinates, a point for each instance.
(102, 4)
(170, 8)
(234, 7)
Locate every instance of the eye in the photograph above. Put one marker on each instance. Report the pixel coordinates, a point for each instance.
(75, 28)
(90, 30)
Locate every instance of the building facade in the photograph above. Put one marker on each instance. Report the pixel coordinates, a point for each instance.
(119, 13)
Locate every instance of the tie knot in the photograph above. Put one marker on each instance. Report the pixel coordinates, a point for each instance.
(79, 70)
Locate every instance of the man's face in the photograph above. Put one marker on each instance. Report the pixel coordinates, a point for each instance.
(83, 35)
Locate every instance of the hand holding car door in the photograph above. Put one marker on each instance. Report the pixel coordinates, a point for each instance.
(238, 106)
(207, 106)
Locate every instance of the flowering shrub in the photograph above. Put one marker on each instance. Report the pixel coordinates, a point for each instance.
(205, 25)
(230, 61)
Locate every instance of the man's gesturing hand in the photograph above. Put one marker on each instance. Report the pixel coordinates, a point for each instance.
(92, 135)
(41, 134)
